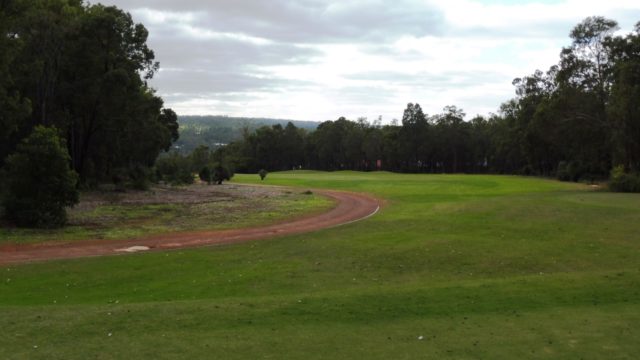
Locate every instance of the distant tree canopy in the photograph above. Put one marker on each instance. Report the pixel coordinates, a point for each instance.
(82, 69)
(578, 120)
(217, 131)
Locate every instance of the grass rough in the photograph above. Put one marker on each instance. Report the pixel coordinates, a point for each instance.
(176, 209)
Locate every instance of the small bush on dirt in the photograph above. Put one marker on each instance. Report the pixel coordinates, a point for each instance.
(39, 181)
(263, 174)
(622, 181)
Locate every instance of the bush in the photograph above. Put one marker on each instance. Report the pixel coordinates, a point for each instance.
(174, 169)
(263, 174)
(567, 171)
(621, 181)
(576, 171)
(221, 172)
(39, 181)
(205, 174)
(140, 176)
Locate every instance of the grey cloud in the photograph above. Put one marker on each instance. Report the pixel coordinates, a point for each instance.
(226, 98)
(435, 81)
(354, 95)
(194, 65)
(542, 29)
(388, 50)
(220, 82)
(308, 21)
(174, 47)
(226, 70)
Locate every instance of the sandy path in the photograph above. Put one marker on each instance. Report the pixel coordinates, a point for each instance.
(350, 207)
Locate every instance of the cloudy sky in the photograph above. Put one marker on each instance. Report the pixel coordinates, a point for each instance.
(322, 59)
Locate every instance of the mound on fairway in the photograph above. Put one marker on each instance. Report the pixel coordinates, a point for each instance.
(460, 267)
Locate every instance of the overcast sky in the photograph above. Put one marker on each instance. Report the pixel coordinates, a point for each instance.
(322, 59)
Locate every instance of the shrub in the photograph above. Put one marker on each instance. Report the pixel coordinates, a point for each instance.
(221, 172)
(174, 169)
(136, 177)
(263, 174)
(140, 176)
(566, 171)
(621, 181)
(575, 171)
(205, 174)
(39, 181)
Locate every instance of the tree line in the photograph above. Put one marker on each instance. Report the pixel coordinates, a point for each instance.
(215, 131)
(75, 105)
(578, 120)
(83, 70)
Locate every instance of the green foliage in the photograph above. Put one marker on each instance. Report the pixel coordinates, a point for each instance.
(205, 174)
(217, 131)
(140, 177)
(199, 158)
(569, 171)
(221, 172)
(262, 173)
(271, 148)
(14, 107)
(84, 69)
(622, 181)
(174, 168)
(573, 121)
(39, 182)
(624, 107)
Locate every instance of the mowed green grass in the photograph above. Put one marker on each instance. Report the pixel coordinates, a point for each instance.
(453, 267)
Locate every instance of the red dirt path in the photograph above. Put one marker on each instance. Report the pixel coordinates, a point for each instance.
(350, 207)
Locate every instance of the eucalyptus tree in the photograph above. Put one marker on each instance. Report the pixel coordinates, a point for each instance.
(84, 69)
(624, 106)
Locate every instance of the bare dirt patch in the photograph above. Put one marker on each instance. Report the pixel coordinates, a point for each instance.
(194, 194)
(164, 209)
(350, 207)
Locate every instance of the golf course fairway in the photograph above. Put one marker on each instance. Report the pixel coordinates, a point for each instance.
(451, 267)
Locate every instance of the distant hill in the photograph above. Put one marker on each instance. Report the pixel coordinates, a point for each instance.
(214, 131)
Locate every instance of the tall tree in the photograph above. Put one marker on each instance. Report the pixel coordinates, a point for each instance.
(453, 139)
(14, 107)
(624, 107)
(584, 81)
(84, 69)
(414, 138)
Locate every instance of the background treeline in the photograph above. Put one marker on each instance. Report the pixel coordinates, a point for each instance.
(83, 70)
(215, 131)
(578, 120)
